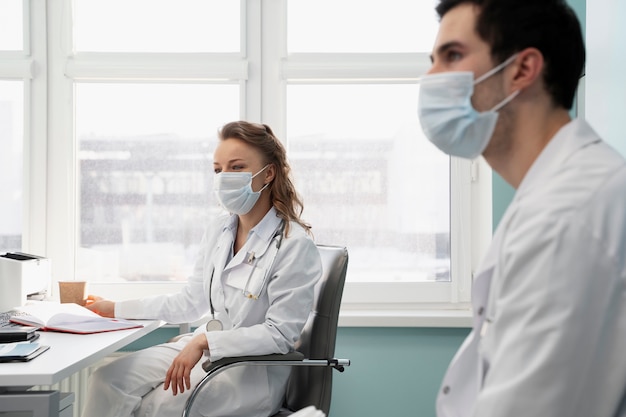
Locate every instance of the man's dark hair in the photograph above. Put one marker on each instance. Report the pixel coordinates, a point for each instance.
(551, 26)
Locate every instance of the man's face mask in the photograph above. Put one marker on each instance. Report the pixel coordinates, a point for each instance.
(446, 114)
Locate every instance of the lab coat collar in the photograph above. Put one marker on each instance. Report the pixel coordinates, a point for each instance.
(570, 138)
(259, 238)
(267, 226)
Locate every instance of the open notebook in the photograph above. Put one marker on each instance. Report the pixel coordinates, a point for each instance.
(70, 318)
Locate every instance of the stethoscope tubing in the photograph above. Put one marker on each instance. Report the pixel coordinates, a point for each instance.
(280, 233)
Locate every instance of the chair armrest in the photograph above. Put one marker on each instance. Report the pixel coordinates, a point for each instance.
(291, 356)
(287, 359)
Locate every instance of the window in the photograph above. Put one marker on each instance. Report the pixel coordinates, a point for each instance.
(191, 26)
(370, 180)
(11, 143)
(145, 176)
(358, 26)
(11, 25)
(133, 115)
(148, 105)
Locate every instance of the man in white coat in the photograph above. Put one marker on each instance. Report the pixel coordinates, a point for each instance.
(549, 300)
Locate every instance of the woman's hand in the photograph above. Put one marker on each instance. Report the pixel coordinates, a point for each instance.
(100, 306)
(179, 373)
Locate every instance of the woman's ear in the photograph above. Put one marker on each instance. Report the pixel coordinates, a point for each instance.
(270, 173)
(528, 69)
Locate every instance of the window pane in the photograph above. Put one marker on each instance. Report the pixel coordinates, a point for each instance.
(361, 25)
(157, 26)
(145, 154)
(11, 143)
(11, 25)
(370, 180)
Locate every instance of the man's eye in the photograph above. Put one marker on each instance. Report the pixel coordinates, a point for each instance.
(453, 56)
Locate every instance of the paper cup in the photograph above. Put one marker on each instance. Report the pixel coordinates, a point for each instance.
(73, 292)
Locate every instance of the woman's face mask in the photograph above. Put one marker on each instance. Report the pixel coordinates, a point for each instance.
(233, 191)
(447, 117)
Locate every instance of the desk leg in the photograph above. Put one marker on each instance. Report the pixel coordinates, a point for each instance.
(39, 403)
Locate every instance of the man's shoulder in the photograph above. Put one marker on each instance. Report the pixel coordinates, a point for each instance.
(588, 177)
(586, 190)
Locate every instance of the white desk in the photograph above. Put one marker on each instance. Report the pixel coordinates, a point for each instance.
(68, 354)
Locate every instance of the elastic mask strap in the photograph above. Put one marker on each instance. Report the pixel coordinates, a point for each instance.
(505, 101)
(266, 185)
(262, 169)
(495, 69)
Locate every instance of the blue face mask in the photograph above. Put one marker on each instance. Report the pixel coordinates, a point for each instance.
(447, 117)
(234, 192)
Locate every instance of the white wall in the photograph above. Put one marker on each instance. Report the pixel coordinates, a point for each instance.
(605, 81)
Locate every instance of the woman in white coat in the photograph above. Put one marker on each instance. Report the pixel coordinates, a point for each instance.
(254, 278)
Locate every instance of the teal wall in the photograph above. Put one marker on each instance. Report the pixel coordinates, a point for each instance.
(394, 371)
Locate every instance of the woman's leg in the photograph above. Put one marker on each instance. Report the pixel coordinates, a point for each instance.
(161, 403)
(117, 389)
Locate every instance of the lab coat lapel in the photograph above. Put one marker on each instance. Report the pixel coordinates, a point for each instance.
(482, 293)
(458, 398)
(222, 251)
(250, 255)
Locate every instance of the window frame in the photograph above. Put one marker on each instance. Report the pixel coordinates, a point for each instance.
(263, 70)
(29, 66)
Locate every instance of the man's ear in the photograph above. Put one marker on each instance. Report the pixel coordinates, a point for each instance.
(528, 69)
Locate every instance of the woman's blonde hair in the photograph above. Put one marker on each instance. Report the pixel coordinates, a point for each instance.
(283, 195)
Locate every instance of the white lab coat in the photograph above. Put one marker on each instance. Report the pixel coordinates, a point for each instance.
(549, 301)
(270, 324)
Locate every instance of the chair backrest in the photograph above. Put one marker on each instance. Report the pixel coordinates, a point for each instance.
(313, 385)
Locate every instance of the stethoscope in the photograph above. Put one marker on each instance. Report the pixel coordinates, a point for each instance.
(251, 259)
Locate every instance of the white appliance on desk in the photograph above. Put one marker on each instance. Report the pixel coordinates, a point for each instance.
(22, 276)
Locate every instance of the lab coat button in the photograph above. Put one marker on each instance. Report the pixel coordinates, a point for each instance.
(446, 389)
(480, 311)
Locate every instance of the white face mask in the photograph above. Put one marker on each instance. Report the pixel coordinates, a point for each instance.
(446, 114)
(234, 192)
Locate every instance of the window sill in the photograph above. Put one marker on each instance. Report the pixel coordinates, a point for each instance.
(352, 314)
(406, 318)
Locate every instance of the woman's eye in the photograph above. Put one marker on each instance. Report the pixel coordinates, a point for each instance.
(217, 170)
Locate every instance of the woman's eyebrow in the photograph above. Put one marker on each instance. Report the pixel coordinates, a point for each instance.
(231, 161)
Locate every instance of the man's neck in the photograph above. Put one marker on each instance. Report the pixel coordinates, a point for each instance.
(528, 136)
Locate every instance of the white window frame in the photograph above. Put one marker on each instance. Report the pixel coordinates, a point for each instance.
(29, 65)
(263, 70)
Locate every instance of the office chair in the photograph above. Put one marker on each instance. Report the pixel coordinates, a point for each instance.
(310, 382)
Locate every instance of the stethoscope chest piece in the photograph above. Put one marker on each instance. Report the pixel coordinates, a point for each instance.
(214, 325)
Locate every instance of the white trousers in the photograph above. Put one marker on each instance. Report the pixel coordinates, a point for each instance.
(132, 385)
